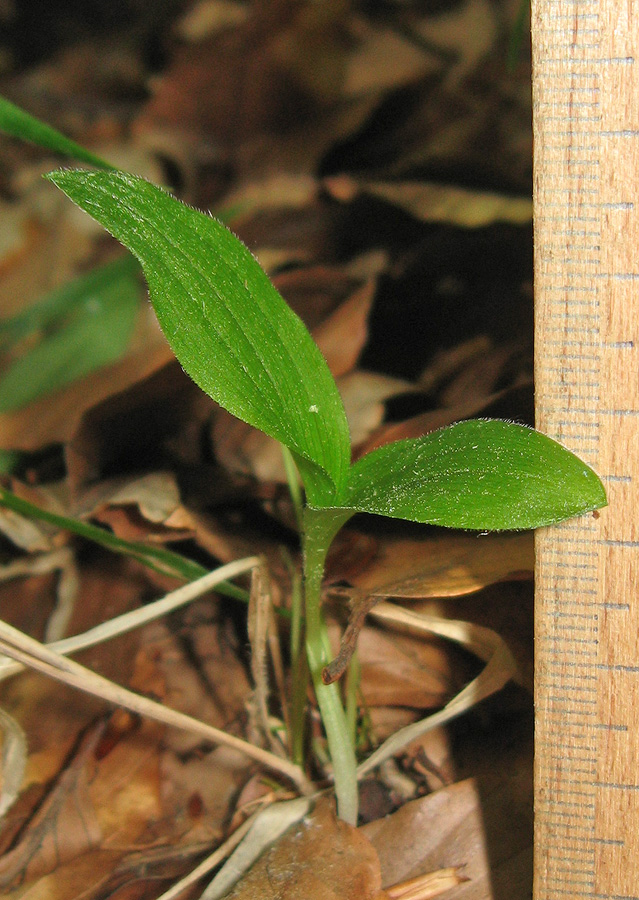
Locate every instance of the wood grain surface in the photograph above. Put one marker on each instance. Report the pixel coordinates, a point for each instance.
(586, 164)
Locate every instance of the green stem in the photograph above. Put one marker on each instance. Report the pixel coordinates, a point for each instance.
(300, 673)
(320, 527)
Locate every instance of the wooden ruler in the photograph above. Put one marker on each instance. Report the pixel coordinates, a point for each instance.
(586, 119)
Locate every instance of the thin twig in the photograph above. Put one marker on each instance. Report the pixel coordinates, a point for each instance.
(258, 613)
(425, 887)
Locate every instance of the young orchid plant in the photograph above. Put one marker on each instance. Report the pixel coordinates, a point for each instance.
(241, 343)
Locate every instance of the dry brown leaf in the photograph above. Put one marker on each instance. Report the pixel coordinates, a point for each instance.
(207, 17)
(226, 542)
(199, 673)
(27, 534)
(506, 607)
(387, 720)
(126, 787)
(56, 419)
(412, 670)
(397, 670)
(28, 591)
(385, 60)
(78, 878)
(320, 859)
(363, 394)
(482, 642)
(129, 427)
(277, 191)
(140, 873)
(271, 72)
(146, 508)
(480, 827)
(120, 873)
(509, 403)
(156, 495)
(126, 524)
(199, 791)
(480, 378)
(489, 133)
(466, 113)
(316, 292)
(289, 240)
(101, 873)
(431, 759)
(418, 426)
(50, 714)
(447, 362)
(343, 334)
(39, 250)
(284, 87)
(435, 202)
(45, 659)
(445, 565)
(13, 757)
(65, 826)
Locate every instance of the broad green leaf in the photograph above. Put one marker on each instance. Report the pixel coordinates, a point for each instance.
(94, 330)
(226, 323)
(18, 123)
(482, 474)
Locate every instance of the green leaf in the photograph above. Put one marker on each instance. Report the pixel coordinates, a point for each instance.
(90, 325)
(227, 324)
(482, 474)
(18, 123)
(51, 310)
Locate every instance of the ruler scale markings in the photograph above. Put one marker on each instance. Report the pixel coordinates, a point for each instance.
(568, 858)
(574, 758)
(551, 685)
(586, 159)
(572, 879)
(580, 806)
(573, 869)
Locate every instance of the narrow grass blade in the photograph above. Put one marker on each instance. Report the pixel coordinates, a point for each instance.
(157, 558)
(18, 123)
